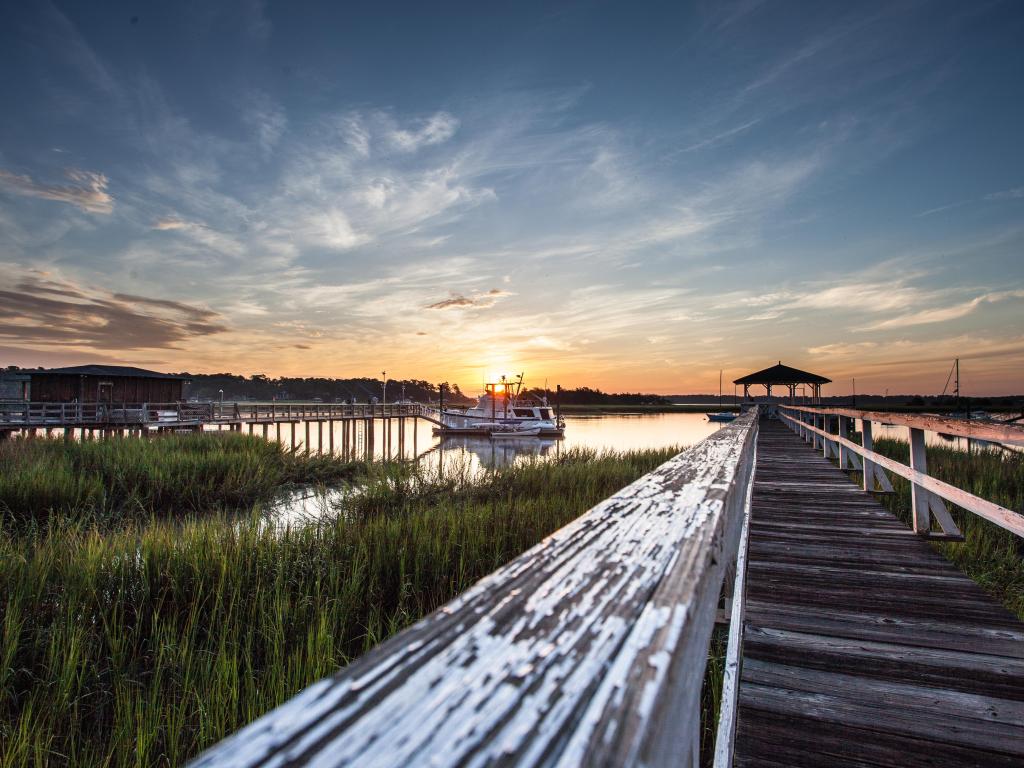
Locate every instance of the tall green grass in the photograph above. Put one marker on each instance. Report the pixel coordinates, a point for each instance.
(134, 478)
(990, 555)
(145, 644)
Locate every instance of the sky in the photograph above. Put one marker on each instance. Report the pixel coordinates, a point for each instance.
(631, 196)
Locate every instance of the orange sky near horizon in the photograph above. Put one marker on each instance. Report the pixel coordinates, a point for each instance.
(984, 374)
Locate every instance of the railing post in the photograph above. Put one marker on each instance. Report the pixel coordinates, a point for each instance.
(918, 495)
(869, 444)
(844, 458)
(824, 440)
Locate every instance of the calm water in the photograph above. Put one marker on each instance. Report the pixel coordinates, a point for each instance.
(612, 432)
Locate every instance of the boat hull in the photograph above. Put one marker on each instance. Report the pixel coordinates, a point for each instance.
(727, 416)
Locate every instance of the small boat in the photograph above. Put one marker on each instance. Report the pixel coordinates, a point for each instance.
(721, 415)
(513, 431)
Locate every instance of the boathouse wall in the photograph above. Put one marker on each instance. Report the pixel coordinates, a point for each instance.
(50, 387)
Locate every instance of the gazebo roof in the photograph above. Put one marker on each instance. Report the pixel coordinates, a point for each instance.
(782, 374)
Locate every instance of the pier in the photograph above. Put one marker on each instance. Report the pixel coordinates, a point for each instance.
(851, 641)
(103, 420)
(861, 644)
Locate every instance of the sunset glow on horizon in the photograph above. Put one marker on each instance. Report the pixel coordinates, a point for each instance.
(588, 195)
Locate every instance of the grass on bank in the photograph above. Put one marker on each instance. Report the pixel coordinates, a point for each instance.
(169, 475)
(145, 644)
(990, 555)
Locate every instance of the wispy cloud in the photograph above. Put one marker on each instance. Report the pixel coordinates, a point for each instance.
(87, 190)
(477, 301)
(1007, 194)
(170, 223)
(944, 314)
(435, 129)
(719, 137)
(1015, 193)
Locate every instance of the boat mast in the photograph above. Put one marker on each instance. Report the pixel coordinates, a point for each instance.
(956, 384)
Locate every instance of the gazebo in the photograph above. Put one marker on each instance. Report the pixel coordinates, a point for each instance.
(783, 375)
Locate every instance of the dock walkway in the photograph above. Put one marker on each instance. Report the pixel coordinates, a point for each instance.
(862, 645)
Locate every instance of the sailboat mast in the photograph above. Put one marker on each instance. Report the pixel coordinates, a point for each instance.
(956, 385)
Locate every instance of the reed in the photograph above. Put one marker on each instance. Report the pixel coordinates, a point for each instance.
(120, 478)
(990, 555)
(144, 644)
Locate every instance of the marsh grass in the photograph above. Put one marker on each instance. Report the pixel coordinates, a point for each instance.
(990, 555)
(170, 475)
(144, 644)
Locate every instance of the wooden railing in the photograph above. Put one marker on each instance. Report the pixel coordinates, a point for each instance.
(17, 413)
(20, 413)
(587, 650)
(829, 429)
(313, 411)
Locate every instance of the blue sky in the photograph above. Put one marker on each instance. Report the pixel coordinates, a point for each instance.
(623, 195)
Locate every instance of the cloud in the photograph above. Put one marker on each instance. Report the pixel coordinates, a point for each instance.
(88, 190)
(943, 314)
(941, 208)
(267, 119)
(718, 138)
(477, 301)
(435, 129)
(170, 223)
(1007, 194)
(44, 310)
(333, 229)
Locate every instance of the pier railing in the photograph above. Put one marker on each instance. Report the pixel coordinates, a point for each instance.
(18, 414)
(587, 650)
(829, 429)
(274, 411)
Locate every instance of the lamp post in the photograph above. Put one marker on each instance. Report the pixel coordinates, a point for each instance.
(221, 391)
(384, 388)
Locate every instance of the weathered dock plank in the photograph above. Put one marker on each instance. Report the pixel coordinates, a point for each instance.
(862, 645)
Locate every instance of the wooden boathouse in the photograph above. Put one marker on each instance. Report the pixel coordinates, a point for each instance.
(105, 384)
(851, 641)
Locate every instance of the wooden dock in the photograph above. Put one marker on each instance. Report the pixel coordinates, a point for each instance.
(851, 641)
(862, 646)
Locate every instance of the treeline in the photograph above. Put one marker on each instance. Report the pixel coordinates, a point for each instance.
(588, 396)
(207, 386)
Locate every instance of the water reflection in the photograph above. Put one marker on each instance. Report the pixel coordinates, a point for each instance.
(486, 453)
(938, 439)
(468, 454)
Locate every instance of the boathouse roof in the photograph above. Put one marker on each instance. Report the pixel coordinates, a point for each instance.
(782, 374)
(112, 370)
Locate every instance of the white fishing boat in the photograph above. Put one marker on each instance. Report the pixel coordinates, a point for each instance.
(508, 431)
(503, 410)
